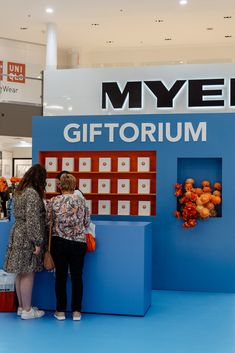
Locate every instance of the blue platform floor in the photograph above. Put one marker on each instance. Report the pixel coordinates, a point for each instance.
(177, 322)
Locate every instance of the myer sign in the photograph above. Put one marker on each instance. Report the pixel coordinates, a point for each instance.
(200, 93)
(144, 90)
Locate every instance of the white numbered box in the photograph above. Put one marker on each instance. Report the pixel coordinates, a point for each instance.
(103, 186)
(85, 185)
(89, 205)
(85, 164)
(123, 186)
(124, 208)
(144, 208)
(51, 164)
(104, 207)
(68, 164)
(143, 186)
(123, 164)
(143, 164)
(105, 164)
(51, 185)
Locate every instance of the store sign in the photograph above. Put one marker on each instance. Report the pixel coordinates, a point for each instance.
(142, 90)
(14, 86)
(132, 132)
(15, 72)
(199, 93)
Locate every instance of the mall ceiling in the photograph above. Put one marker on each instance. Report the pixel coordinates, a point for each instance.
(98, 25)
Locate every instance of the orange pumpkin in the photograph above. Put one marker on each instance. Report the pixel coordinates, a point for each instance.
(206, 189)
(205, 198)
(215, 199)
(217, 193)
(210, 205)
(198, 201)
(188, 187)
(217, 186)
(204, 212)
(188, 194)
(198, 191)
(205, 183)
(190, 181)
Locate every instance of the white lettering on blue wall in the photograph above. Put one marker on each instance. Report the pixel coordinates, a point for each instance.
(130, 132)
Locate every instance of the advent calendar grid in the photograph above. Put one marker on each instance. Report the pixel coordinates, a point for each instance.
(113, 182)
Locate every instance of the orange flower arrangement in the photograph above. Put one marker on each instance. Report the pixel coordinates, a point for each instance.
(14, 180)
(197, 202)
(3, 184)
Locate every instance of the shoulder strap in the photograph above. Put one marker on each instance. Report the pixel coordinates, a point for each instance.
(50, 231)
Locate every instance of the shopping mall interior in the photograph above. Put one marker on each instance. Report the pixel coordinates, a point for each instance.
(68, 71)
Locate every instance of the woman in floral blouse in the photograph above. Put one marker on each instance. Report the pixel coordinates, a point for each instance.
(70, 217)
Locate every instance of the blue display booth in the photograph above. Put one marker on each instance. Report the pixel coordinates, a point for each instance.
(187, 145)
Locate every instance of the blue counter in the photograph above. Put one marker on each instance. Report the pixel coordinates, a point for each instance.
(117, 276)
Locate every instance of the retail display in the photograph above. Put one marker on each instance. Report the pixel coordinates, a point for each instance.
(113, 182)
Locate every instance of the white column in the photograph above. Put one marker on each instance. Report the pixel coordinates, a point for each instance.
(51, 52)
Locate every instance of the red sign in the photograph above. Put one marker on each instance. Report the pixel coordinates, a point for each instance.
(16, 72)
(1, 69)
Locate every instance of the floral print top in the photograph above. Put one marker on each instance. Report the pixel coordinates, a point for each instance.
(70, 217)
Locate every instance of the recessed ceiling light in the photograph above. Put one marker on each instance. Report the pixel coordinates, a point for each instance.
(168, 38)
(209, 28)
(109, 41)
(159, 21)
(49, 10)
(95, 24)
(228, 36)
(227, 17)
(183, 2)
(23, 28)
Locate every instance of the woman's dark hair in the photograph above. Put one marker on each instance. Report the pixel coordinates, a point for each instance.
(62, 172)
(34, 177)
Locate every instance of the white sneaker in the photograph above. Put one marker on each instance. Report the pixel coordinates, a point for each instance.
(19, 310)
(77, 316)
(59, 315)
(32, 314)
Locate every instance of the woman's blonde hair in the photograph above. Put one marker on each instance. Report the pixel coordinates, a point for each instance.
(67, 182)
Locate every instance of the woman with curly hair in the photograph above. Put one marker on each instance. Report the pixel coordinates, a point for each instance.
(25, 250)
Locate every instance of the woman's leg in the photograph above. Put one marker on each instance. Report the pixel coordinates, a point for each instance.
(77, 254)
(26, 288)
(58, 252)
(17, 285)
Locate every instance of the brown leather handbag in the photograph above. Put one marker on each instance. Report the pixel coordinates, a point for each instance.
(48, 260)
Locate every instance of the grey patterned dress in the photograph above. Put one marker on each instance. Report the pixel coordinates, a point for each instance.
(28, 231)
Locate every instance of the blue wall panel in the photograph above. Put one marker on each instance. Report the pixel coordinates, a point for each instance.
(202, 258)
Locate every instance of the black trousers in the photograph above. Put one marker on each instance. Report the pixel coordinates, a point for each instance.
(68, 255)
